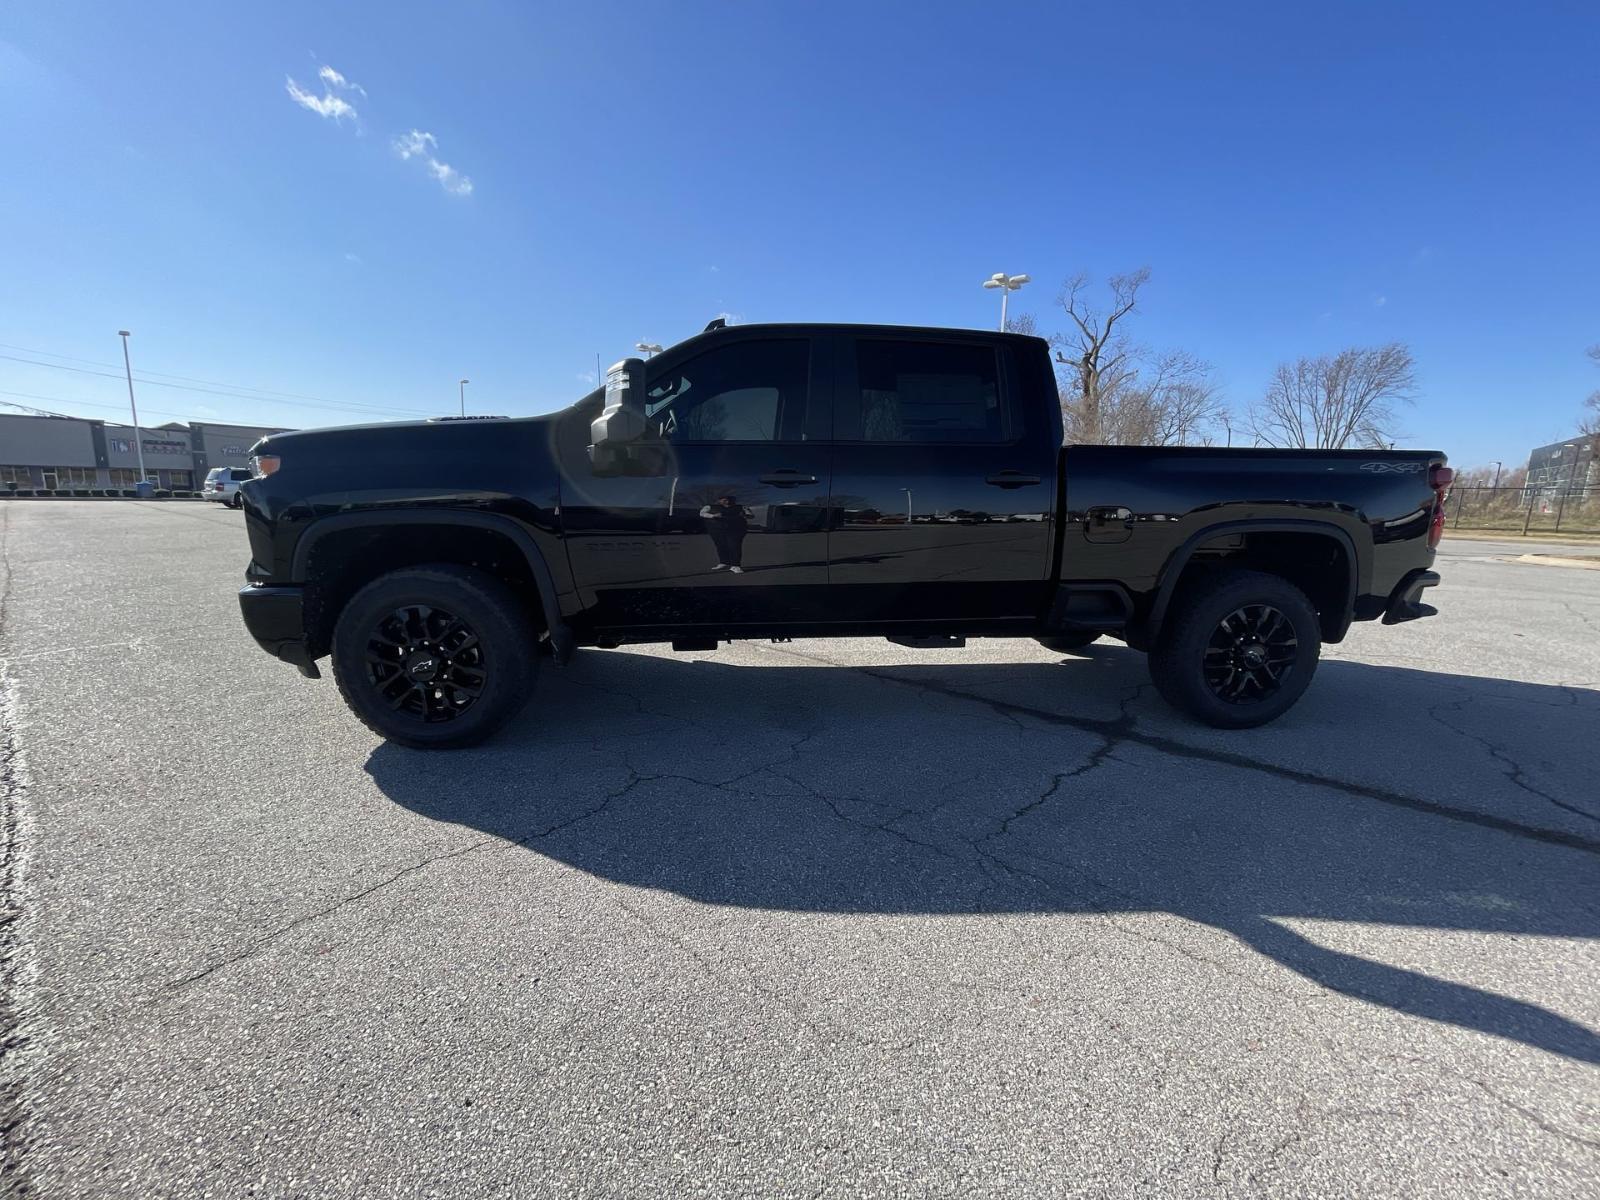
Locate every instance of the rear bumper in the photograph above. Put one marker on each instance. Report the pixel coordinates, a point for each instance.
(1405, 601)
(275, 617)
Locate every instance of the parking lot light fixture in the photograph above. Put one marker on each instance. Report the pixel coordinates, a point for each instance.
(648, 349)
(462, 388)
(127, 366)
(1007, 284)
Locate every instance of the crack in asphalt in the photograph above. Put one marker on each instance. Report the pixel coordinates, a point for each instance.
(1577, 1139)
(1122, 730)
(258, 945)
(1517, 774)
(492, 842)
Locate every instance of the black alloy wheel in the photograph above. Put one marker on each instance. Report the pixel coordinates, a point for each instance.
(437, 656)
(426, 662)
(1238, 648)
(1251, 653)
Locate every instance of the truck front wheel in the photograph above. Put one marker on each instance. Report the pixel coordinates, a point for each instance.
(435, 657)
(1239, 649)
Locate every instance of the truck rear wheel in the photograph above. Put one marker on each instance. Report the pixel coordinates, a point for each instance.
(435, 657)
(1077, 639)
(1239, 650)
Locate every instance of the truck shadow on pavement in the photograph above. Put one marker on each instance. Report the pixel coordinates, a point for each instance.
(1389, 797)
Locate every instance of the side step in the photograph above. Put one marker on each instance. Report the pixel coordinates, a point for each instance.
(932, 641)
(684, 645)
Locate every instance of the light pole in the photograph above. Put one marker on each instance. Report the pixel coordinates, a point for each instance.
(127, 365)
(907, 491)
(648, 349)
(1007, 284)
(461, 388)
(1497, 465)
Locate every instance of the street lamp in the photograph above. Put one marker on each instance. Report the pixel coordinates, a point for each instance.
(127, 365)
(1007, 284)
(647, 348)
(461, 388)
(1497, 465)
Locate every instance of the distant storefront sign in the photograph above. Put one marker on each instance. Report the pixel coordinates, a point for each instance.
(154, 447)
(120, 445)
(234, 451)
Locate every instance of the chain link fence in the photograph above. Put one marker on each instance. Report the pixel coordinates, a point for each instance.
(1526, 510)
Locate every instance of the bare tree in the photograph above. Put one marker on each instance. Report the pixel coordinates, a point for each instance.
(1153, 400)
(1347, 400)
(1095, 351)
(1024, 323)
(1589, 423)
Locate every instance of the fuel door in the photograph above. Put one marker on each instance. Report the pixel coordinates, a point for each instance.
(1108, 523)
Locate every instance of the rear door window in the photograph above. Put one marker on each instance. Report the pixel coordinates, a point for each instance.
(925, 392)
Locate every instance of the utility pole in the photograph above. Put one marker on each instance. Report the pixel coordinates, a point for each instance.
(127, 365)
(461, 388)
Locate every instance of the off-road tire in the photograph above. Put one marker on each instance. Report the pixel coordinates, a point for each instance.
(504, 644)
(1198, 661)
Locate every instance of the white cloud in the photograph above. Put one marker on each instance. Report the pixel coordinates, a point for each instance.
(325, 105)
(588, 377)
(1379, 301)
(418, 144)
(335, 80)
(414, 143)
(351, 257)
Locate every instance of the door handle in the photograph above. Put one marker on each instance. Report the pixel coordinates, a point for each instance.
(1011, 479)
(787, 478)
(1106, 516)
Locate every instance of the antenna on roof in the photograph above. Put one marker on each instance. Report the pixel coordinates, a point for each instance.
(719, 323)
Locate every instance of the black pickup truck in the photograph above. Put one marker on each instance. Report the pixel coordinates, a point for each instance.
(781, 481)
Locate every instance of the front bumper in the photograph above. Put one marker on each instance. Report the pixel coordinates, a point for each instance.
(275, 617)
(1405, 603)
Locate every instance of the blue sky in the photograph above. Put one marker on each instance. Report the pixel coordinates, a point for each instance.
(595, 174)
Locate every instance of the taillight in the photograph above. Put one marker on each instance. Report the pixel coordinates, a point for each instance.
(1439, 478)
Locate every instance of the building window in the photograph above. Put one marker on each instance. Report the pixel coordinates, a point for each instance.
(124, 477)
(21, 476)
(76, 477)
(182, 480)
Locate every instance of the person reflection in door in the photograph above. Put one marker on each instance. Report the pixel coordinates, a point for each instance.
(727, 522)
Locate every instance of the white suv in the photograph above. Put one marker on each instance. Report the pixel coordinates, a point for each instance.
(222, 483)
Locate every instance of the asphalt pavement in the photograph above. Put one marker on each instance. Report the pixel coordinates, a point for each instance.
(824, 918)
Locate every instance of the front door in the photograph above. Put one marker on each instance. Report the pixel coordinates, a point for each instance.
(942, 487)
(733, 530)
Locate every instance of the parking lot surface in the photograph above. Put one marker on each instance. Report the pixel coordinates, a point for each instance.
(824, 918)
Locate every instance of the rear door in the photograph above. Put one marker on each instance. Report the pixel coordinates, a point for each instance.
(733, 531)
(943, 483)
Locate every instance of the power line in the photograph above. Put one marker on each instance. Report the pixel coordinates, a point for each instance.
(241, 387)
(349, 406)
(87, 404)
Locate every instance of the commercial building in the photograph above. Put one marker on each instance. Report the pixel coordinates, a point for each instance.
(70, 452)
(1565, 467)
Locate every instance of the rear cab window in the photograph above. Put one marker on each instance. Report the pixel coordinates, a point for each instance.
(923, 392)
